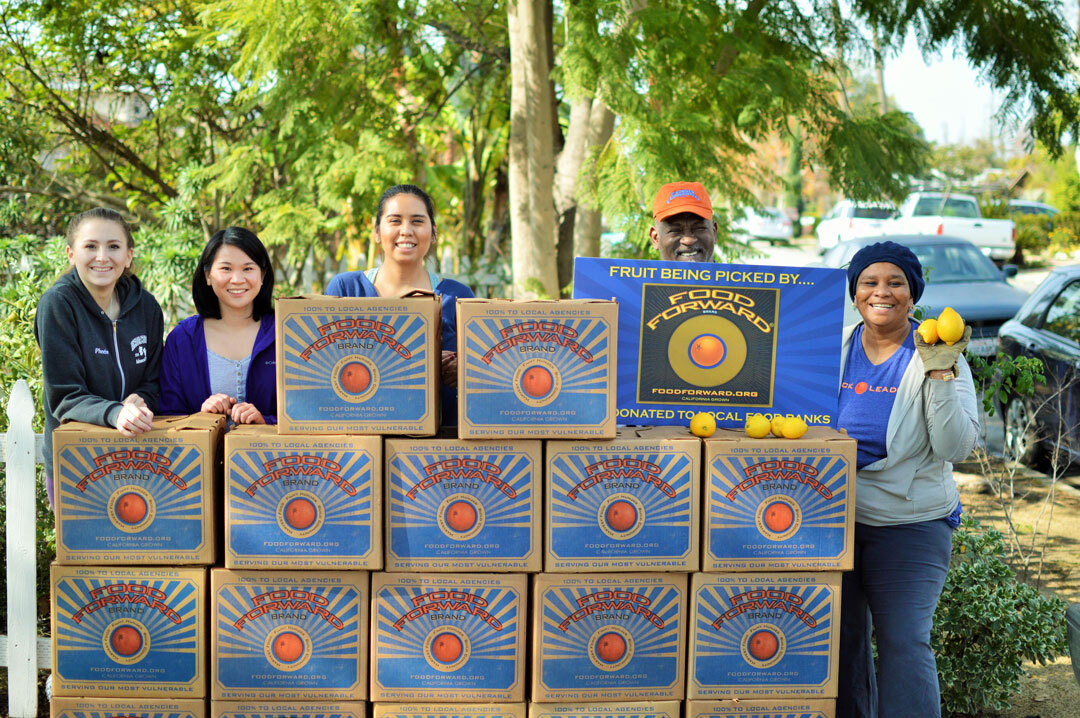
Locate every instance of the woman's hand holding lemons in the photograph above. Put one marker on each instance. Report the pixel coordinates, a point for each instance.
(948, 328)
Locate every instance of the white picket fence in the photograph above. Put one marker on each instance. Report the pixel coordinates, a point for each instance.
(22, 651)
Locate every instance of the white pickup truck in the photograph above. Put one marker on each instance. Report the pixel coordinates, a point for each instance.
(954, 215)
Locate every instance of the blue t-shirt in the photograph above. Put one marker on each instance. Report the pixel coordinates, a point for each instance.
(867, 393)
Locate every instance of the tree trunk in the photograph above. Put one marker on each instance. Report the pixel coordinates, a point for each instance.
(587, 224)
(840, 33)
(569, 165)
(532, 209)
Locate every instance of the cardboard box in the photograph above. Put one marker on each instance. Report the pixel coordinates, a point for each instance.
(312, 502)
(295, 709)
(146, 499)
(444, 710)
(764, 636)
(126, 708)
(640, 709)
(543, 369)
(779, 504)
(628, 504)
(452, 638)
(289, 635)
(126, 631)
(790, 708)
(608, 637)
(358, 365)
(462, 505)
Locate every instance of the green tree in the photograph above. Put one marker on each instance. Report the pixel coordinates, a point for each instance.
(292, 117)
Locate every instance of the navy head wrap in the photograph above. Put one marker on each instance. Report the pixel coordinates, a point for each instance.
(892, 252)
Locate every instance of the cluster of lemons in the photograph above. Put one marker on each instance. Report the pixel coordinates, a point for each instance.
(948, 327)
(758, 426)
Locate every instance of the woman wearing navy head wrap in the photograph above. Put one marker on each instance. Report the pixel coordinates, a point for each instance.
(913, 410)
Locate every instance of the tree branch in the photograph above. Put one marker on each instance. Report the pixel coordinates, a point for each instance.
(730, 51)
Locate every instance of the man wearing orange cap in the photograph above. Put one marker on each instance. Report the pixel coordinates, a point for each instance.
(683, 227)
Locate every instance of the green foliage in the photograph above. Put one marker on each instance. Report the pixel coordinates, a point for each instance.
(1004, 376)
(994, 206)
(987, 624)
(964, 162)
(1065, 186)
(1032, 233)
(27, 267)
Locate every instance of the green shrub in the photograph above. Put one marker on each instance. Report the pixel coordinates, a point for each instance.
(1069, 221)
(994, 206)
(987, 624)
(1032, 233)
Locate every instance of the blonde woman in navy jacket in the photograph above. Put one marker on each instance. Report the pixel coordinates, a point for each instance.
(912, 408)
(222, 360)
(100, 335)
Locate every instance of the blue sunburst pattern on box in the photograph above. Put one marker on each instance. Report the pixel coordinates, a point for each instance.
(522, 372)
(312, 507)
(292, 636)
(610, 635)
(350, 366)
(778, 505)
(807, 322)
(447, 638)
(115, 628)
(755, 631)
(616, 502)
(463, 504)
(122, 499)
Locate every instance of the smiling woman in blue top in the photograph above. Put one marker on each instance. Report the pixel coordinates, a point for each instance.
(405, 232)
(222, 359)
(912, 409)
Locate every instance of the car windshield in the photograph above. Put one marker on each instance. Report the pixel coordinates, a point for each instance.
(950, 263)
(933, 207)
(873, 213)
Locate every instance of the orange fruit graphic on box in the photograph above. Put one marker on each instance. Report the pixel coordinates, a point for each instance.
(355, 378)
(131, 508)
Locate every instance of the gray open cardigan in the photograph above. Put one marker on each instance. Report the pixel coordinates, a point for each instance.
(932, 424)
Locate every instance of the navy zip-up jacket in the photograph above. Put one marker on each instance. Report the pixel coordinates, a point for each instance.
(185, 370)
(89, 362)
(359, 284)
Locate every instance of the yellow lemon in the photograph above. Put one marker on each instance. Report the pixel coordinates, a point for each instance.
(757, 426)
(950, 326)
(794, 427)
(928, 331)
(702, 424)
(777, 426)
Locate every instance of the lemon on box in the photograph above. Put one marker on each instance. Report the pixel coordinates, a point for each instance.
(703, 424)
(757, 426)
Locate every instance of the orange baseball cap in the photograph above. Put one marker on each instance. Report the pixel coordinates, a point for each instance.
(676, 197)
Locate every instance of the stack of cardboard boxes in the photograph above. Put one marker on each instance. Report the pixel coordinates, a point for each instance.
(616, 619)
(765, 613)
(134, 531)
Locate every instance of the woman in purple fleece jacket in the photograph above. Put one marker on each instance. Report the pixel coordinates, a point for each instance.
(222, 359)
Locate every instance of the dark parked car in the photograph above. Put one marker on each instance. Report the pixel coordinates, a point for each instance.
(1047, 327)
(958, 275)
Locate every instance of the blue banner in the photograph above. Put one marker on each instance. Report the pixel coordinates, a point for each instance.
(727, 339)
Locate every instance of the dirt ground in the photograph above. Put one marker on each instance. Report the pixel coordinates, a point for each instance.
(1049, 691)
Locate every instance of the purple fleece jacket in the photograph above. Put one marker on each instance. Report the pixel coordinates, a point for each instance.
(185, 372)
